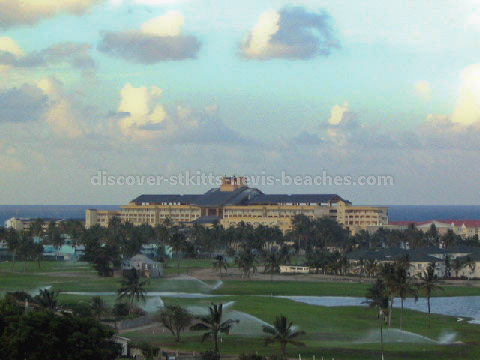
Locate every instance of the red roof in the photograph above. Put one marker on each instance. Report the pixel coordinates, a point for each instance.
(457, 223)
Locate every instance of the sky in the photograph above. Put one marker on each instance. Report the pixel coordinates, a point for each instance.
(162, 87)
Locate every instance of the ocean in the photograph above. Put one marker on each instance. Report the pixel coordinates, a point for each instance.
(396, 212)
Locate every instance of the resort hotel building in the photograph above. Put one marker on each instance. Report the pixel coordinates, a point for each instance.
(234, 202)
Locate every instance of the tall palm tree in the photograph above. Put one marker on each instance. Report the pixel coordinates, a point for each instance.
(273, 260)
(371, 267)
(429, 285)
(177, 242)
(213, 324)
(13, 242)
(377, 297)
(457, 265)
(387, 274)
(283, 333)
(247, 261)
(132, 288)
(404, 287)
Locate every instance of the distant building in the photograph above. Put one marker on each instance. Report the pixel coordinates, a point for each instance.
(420, 258)
(294, 269)
(20, 224)
(463, 228)
(234, 202)
(146, 266)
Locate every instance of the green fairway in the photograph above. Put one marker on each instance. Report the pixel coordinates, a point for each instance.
(332, 332)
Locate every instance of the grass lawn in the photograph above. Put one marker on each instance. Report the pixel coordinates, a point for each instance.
(331, 332)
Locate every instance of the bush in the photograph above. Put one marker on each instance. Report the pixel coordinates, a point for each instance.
(251, 356)
(120, 309)
(210, 355)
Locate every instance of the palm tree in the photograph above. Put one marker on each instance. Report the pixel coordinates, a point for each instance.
(377, 297)
(213, 324)
(371, 267)
(177, 242)
(404, 287)
(387, 274)
(470, 263)
(429, 285)
(273, 260)
(247, 261)
(13, 242)
(220, 263)
(132, 288)
(48, 299)
(283, 333)
(457, 265)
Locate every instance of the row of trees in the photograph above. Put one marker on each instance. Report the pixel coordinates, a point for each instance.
(177, 319)
(393, 283)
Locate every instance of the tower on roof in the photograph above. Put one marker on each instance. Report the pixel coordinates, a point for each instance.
(232, 183)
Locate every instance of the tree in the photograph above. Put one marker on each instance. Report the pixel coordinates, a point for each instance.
(98, 307)
(371, 267)
(457, 265)
(47, 299)
(404, 287)
(282, 332)
(387, 273)
(13, 241)
(377, 297)
(48, 336)
(220, 263)
(428, 285)
(132, 288)
(213, 324)
(148, 350)
(247, 261)
(175, 318)
(25, 248)
(273, 260)
(177, 242)
(450, 238)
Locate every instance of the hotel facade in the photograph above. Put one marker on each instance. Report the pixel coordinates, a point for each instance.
(234, 202)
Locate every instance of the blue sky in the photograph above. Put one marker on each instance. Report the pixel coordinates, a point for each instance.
(146, 87)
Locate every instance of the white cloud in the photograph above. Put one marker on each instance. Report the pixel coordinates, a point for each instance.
(338, 112)
(423, 90)
(467, 108)
(257, 42)
(9, 46)
(169, 24)
(292, 32)
(141, 114)
(28, 12)
(61, 115)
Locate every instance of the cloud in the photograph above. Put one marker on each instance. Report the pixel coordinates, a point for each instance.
(423, 90)
(159, 39)
(24, 104)
(338, 113)
(467, 109)
(29, 12)
(75, 54)
(140, 116)
(291, 33)
(62, 115)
